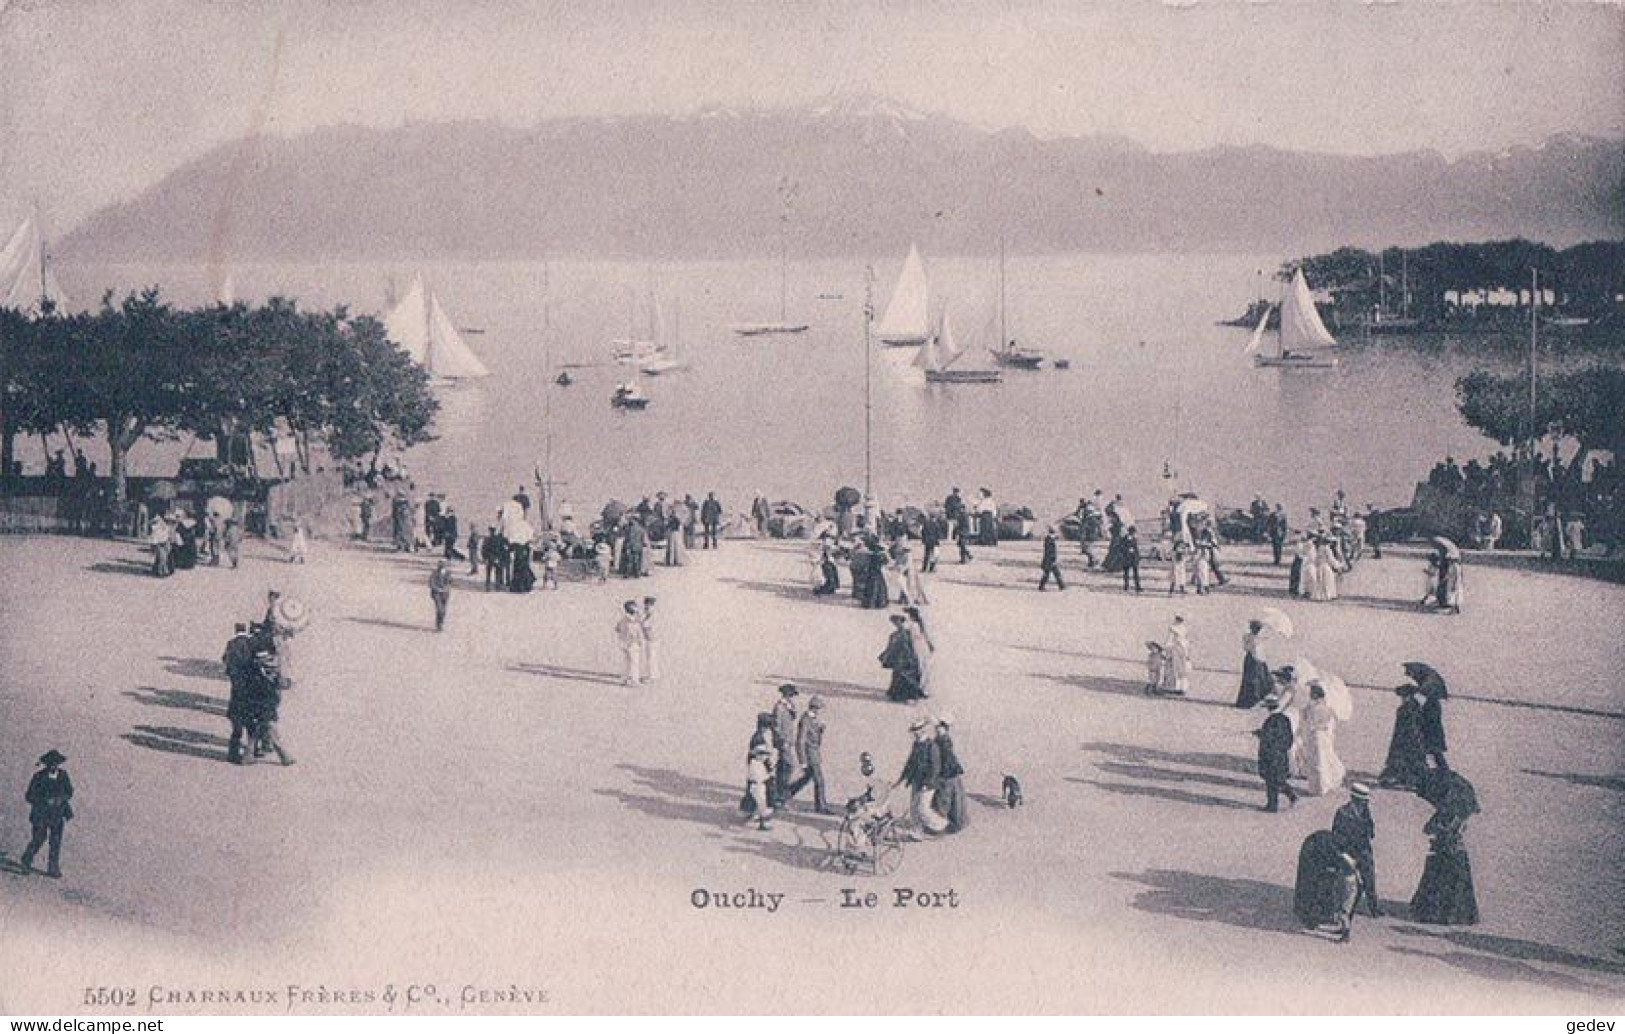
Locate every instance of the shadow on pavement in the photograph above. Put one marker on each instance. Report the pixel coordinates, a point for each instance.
(186, 742)
(555, 671)
(1164, 794)
(179, 699)
(1615, 783)
(195, 667)
(1249, 904)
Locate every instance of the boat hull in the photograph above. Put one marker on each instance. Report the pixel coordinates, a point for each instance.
(767, 329)
(1018, 361)
(1296, 362)
(904, 342)
(962, 377)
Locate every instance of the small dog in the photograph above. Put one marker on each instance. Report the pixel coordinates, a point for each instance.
(1012, 792)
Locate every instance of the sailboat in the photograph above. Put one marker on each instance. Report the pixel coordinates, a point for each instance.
(908, 316)
(940, 351)
(1300, 332)
(1382, 320)
(1005, 351)
(632, 350)
(26, 282)
(783, 326)
(419, 324)
(667, 356)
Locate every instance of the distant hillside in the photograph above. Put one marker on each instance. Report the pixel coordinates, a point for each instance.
(870, 176)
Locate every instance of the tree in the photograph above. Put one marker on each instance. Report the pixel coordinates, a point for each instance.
(1585, 405)
(144, 369)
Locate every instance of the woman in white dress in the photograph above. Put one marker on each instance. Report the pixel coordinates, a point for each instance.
(1177, 671)
(1324, 769)
(1294, 697)
(1326, 571)
(1309, 583)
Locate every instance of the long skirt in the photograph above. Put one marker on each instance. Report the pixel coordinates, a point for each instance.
(905, 685)
(1445, 895)
(1256, 683)
(987, 529)
(1407, 763)
(950, 803)
(1317, 896)
(675, 551)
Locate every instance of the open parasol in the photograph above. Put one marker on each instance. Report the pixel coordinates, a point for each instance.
(1424, 675)
(1275, 619)
(1338, 697)
(1448, 548)
(1451, 793)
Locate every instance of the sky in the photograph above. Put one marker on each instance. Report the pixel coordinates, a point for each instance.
(101, 98)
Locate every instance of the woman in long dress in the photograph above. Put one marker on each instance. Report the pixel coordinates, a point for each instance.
(1309, 583)
(1326, 557)
(1256, 681)
(987, 520)
(1322, 765)
(1446, 894)
(1406, 767)
(903, 662)
(1294, 697)
(1177, 672)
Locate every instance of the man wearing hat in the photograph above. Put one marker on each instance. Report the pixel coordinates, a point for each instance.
(784, 741)
(810, 748)
(1274, 754)
(48, 796)
(239, 664)
(921, 773)
(1354, 829)
(1050, 563)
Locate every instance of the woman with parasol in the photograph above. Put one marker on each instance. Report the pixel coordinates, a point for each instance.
(1328, 705)
(1407, 765)
(1446, 894)
(1434, 694)
(1256, 681)
(1448, 595)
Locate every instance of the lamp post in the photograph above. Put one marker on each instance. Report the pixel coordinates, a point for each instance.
(868, 397)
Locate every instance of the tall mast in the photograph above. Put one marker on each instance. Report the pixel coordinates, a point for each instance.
(1404, 283)
(1003, 334)
(868, 400)
(1382, 284)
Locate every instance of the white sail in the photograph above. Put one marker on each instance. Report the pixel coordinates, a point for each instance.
(946, 345)
(227, 294)
(407, 323)
(25, 279)
(419, 324)
(1301, 328)
(449, 354)
(929, 357)
(1258, 332)
(908, 319)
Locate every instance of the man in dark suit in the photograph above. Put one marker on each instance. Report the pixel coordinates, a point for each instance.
(1050, 563)
(1131, 557)
(931, 536)
(1274, 755)
(1276, 528)
(1354, 829)
(48, 796)
(239, 663)
(810, 747)
(958, 518)
(710, 520)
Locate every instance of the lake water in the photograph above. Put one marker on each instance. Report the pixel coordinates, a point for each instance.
(1153, 383)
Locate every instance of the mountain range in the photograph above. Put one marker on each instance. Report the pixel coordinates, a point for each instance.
(861, 175)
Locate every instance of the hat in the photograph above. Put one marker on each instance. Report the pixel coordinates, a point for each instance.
(788, 689)
(290, 613)
(922, 722)
(898, 619)
(761, 750)
(1360, 791)
(943, 719)
(866, 756)
(815, 702)
(1272, 701)
(52, 757)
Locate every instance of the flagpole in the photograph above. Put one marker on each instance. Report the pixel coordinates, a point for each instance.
(868, 396)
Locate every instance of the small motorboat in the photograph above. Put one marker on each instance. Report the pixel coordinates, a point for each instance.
(629, 396)
(564, 380)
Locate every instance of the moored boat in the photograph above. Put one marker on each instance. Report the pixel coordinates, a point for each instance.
(1300, 333)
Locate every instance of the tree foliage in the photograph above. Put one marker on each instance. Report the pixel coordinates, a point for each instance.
(1585, 405)
(142, 368)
